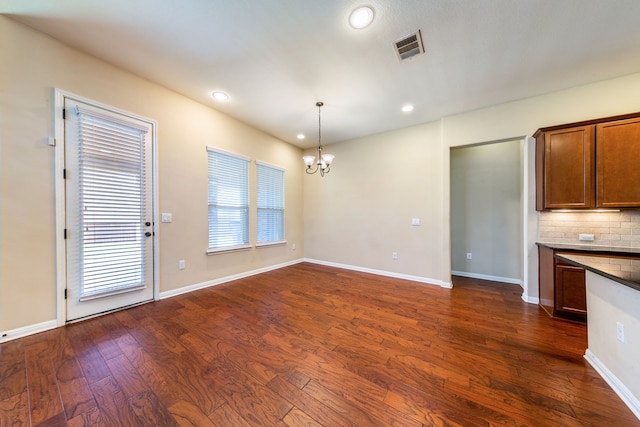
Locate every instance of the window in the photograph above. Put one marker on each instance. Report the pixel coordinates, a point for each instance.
(270, 203)
(228, 200)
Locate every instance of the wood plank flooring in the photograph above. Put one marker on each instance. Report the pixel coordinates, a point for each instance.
(309, 345)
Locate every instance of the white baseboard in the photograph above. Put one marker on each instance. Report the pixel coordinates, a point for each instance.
(488, 277)
(28, 330)
(382, 273)
(530, 300)
(621, 390)
(191, 288)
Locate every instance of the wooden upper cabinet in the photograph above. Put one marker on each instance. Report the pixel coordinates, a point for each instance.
(591, 164)
(618, 164)
(568, 168)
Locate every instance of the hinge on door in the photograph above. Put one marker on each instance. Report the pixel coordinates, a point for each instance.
(65, 233)
(64, 174)
(65, 293)
(64, 113)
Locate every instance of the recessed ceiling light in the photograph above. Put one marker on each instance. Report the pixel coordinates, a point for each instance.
(407, 108)
(220, 96)
(300, 136)
(361, 17)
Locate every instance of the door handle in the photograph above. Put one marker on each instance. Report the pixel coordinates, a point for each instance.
(147, 223)
(148, 234)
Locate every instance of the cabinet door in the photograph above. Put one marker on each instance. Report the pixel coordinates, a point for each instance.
(618, 164)
(571, 294)
(569, 168)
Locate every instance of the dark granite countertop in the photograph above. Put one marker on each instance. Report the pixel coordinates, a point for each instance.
(622, 270)
(613, 250)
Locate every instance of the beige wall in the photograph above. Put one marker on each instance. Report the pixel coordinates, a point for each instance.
(357, 215)
(32, 67)
(361, 212)
(522, 118)
(369, 172)
(486, 211)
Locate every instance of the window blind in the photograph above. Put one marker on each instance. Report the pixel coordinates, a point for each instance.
(111, 176)
(228, 196)
(270, 203)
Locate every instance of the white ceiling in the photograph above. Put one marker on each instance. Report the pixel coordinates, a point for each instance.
(276, 58)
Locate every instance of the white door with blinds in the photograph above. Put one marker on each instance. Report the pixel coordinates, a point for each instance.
(109, 210)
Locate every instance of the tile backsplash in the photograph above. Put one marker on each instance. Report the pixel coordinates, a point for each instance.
(620, 229)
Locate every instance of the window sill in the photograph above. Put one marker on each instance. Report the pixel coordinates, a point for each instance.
(215, 251)
(266, 244)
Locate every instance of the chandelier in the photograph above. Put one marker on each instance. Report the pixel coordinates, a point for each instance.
(324, 160)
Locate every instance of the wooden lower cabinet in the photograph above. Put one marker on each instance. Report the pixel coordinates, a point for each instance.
(562, 288)
(571, 293)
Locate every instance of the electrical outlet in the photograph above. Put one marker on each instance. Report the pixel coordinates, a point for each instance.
(394, 255)
(293, 247)
(469, 255)
(166, 217)
(620, 331)
(586, 237)
(181, 265)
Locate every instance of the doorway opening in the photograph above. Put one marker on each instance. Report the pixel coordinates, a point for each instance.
(487, 205)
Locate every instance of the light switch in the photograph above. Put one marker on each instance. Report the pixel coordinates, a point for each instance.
(415, 221)
(166, 217)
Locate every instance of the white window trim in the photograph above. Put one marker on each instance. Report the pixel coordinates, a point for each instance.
(213, 251)
(260, 162)
(278, 243)
(228, 153)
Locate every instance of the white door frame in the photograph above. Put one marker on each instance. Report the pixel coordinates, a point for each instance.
(525, 194)
(60, 198)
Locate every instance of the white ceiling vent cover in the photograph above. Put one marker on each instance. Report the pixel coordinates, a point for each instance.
(409, 46)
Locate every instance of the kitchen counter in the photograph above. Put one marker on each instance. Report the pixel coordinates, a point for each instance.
(625, 271)
(595, 249)
(561, 282)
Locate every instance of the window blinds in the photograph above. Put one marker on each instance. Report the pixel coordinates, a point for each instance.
(111, 178)
(270, 203)
(228, 196)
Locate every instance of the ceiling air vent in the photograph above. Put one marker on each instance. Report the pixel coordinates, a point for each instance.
(409, 46)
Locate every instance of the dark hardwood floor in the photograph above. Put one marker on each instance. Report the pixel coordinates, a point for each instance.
(309, 345)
